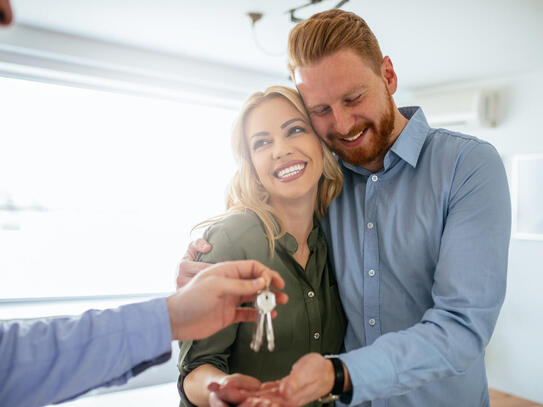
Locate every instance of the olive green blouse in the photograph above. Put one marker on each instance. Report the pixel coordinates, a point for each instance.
(311, 321)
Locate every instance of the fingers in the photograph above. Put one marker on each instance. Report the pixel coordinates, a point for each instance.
(280, 298)
(195, 247)
(239, 288)
(6, 14)
(215, 401)
(245, 315)
(251, 269)
(241, 381)
(187, 270)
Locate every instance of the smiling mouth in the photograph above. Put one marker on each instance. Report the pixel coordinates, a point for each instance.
(356, 136)
(291, 171)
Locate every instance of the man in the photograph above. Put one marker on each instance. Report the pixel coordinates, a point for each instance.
(49, 361)
(419, 235)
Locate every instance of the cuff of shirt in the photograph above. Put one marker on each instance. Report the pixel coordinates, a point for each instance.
(149, 338)
(371, 373)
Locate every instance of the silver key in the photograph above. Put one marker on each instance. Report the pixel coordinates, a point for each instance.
(256, 343)
(265, 304)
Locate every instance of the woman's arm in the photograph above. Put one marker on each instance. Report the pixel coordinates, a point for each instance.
(196, 382)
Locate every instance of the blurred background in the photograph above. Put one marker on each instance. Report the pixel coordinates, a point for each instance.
(115, 141)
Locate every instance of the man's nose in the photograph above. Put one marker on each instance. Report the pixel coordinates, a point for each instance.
(345, 121)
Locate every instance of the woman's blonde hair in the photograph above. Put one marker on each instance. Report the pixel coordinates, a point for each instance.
(245, 190)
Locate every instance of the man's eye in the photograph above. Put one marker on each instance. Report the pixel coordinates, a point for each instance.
(320, 111)
(353, 99)
(296, 130)
(260, 143)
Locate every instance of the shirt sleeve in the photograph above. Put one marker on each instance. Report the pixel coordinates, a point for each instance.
(468, 291)
(54, 360)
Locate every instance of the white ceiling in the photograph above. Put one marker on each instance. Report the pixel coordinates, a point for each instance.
(430, 41)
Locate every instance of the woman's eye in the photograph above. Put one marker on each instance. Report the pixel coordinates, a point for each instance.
(260, 143)
(296, 130)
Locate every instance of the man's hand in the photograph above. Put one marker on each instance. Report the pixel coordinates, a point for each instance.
(6, 15)
(189, 267)
(210, 301)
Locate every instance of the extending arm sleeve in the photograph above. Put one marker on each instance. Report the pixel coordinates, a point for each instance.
(54, 360)
(468, 291)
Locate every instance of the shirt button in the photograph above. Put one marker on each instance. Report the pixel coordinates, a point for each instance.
(316, 335)
(370, 225)
(374, 178)
(310, 294)
(371, 322)
(371, 272)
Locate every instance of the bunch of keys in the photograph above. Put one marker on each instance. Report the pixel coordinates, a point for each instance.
(265, 304)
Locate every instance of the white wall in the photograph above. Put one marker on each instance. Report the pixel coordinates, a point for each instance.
(515, 354)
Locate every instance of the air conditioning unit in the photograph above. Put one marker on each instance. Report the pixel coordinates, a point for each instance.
(458, 107)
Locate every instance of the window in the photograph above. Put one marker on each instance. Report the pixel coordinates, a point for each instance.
(99, 190)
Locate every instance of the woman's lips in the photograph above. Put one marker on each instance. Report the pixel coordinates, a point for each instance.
(290, 171)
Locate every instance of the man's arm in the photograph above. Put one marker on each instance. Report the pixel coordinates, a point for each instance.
(49, 361)
(469, 288)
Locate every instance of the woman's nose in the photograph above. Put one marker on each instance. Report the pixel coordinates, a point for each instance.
(281, 148)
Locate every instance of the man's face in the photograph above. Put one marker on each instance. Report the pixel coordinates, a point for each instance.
(350, 107)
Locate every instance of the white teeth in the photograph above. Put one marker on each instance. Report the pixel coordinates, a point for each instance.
(355, 137)
(290, 171)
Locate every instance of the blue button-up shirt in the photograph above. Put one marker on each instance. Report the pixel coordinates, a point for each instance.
(420, 250)
(49, 361)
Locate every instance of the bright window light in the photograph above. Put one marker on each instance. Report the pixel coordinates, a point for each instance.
(99, 191)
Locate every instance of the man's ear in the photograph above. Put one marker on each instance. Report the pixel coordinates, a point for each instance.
(389, 75)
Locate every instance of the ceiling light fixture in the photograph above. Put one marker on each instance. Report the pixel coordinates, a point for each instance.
(256, 16)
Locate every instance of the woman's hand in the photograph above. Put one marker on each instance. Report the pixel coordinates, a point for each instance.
(232, 389)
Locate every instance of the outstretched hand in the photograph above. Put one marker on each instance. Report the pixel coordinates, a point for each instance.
(210, 302)
(310, 378)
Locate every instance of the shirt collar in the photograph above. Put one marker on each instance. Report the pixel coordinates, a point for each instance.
(288, 242)
(410, 141)
(408, 144)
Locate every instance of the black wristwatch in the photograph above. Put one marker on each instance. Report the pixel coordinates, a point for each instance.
(339, 381)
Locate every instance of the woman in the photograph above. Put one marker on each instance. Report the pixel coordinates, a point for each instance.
(285, 180)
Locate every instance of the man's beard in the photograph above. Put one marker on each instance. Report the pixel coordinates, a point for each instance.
(380, 141)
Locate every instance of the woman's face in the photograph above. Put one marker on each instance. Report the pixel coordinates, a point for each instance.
(285, 152)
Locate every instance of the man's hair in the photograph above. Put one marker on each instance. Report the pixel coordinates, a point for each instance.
(328, 32)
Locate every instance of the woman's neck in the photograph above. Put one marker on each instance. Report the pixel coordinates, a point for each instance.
(297, 217)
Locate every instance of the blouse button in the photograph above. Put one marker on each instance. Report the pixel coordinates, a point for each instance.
(310, 294)
(316, 335)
